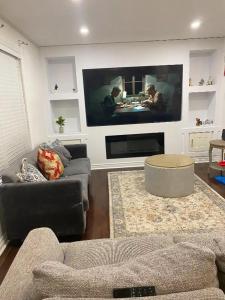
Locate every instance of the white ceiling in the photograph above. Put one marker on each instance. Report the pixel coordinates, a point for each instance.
(57, 22)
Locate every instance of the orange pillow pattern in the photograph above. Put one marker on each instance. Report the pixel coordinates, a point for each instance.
(50, 164)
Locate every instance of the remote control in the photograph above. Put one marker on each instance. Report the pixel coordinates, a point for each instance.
(131, 292)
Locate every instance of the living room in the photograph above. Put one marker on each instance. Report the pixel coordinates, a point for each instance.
(109, 86)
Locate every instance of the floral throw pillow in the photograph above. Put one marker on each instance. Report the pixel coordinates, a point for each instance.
(62, 152)
(50, 163)
(29, 173)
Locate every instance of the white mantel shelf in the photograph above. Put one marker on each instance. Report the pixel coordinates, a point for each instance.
(68, 136)
(202, 88)
(201, 128)
(62, 96)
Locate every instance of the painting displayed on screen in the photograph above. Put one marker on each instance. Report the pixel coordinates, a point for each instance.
(131, 95)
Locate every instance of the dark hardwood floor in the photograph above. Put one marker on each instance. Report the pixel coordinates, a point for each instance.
(98, 214)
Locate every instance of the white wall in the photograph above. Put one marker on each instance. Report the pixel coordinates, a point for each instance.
(32, 79)
(136, 54)
(33, 86)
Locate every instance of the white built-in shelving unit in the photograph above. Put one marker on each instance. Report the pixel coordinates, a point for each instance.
(202, 101)
(63, 98)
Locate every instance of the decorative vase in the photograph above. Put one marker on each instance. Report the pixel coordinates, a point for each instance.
(61, 129)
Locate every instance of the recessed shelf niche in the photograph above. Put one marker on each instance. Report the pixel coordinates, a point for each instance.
(202, 106)
(202, 98)
(69, 109)
(61, 72)
(203, 65)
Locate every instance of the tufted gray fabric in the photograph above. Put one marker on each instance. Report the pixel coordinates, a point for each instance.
(111, 251)
(215, 243)
(40, 245)
(204, 294)
(179, 268)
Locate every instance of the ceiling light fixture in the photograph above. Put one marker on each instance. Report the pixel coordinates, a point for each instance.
(84, 30)
(196, 24)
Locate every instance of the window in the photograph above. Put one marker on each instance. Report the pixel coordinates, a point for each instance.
(14, 132)
(133, 85)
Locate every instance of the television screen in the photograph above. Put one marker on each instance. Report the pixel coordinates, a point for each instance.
(132, 95)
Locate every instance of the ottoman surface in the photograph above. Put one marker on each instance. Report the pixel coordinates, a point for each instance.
(169, 160)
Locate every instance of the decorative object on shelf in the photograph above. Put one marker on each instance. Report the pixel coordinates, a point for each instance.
(210, 81)
(198, 122)
(207, 122)
(61, 122)
(190, 82)
(56, 87)
(201, 82)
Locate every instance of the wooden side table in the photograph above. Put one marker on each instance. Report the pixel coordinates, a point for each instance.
(218, 144)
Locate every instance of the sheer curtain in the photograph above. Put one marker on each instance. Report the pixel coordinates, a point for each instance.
(14, 130)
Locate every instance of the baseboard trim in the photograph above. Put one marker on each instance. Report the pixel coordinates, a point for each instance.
(132, 164)
(117, 165)
(3, 243)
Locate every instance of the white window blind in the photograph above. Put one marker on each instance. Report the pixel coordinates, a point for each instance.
(14, 131)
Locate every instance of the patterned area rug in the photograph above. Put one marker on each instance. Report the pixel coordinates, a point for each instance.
(133, 211)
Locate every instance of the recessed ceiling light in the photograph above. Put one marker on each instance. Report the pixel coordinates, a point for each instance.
(84, 30)
(196, 24)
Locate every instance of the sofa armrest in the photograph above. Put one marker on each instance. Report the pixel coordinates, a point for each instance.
(40, 245)
(77, 150)
(56, 204)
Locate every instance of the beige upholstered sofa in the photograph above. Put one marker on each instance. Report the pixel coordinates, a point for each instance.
(41, 245)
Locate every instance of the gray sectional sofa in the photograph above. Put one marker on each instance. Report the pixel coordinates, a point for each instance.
(188, 273)
(59, 204)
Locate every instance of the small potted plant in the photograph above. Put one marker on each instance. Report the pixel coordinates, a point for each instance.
(61, 122)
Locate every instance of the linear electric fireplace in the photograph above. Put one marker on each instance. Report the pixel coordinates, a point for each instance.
(134, 145)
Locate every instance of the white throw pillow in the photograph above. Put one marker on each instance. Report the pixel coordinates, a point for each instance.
(29, 173)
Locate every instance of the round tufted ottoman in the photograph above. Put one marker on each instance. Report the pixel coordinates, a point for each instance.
(169, 175)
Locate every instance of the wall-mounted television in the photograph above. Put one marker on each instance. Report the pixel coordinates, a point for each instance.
(131, 95)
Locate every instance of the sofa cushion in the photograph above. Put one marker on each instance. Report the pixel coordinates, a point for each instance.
(78, 166)
(213, 241)
(204, 294)
(65, 160)
(180, 268)
(93, 253)
(84, 181)
(29, 173)
(58, 146)
(50, 164)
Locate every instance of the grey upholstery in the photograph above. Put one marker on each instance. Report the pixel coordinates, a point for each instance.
(60, 204)
(203, 294)
(84, 178)
(78, 166)
(41, 246)
(169, 182)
